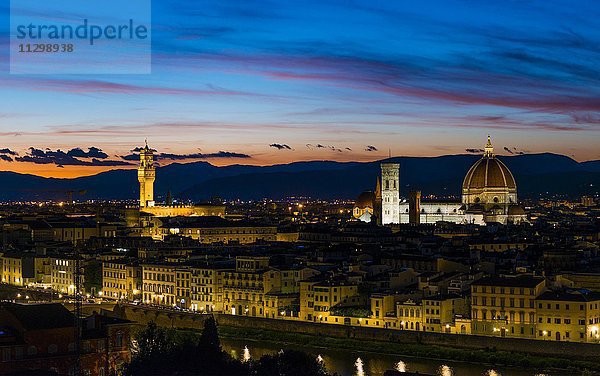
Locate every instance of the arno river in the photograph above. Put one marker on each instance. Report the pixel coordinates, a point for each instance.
(374, 364)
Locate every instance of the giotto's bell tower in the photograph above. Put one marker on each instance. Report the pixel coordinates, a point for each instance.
(390, 193)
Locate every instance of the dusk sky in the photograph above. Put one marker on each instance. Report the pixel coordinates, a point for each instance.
(264, 82)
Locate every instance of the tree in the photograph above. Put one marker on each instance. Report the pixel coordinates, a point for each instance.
(152, 341)
(152, 351)
(209, 340)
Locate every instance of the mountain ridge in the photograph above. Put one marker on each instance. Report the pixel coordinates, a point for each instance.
(441, 175)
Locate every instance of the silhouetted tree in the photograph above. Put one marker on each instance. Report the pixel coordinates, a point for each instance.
(209, 340)
(152, 351)
(152, 341)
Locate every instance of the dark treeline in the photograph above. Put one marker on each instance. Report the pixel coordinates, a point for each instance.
(160, 351)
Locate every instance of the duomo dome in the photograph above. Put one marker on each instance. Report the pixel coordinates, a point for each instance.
(489, 186)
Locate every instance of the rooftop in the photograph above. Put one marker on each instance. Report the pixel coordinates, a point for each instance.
(40, 316)
(527, 281)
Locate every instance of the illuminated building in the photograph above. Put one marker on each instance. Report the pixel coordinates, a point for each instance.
(213, 229)
(318, 296)
(27, 269)
(283, 284)
(183, 279)
(146, 177)
(158, 284)
(505, 306)
(489, 194)
(364, 207)
(76, 232)
(572, 315)
(63, 269)
(206, 288)
(121, 280)
(12, 269)
(410, 315)
(439, 312)
(390, 193)
(148, 207)
(244, 287)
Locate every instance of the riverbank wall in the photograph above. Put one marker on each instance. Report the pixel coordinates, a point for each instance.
(182, 320)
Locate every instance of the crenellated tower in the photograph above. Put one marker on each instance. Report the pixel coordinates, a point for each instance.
(146, 176)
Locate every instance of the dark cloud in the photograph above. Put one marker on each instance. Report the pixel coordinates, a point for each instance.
(5, 158)
(321, 146)
(8, 151)
(220, 154)
(514, 150)
(140, 148)
(586, 118)
(370, 148)
(93, 152)
(281, 146)
(130, 157)
(348, 149)
(474, 151)
(61, 158)
(176, 157)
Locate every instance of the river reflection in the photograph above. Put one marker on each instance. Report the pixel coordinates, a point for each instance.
(345, 363)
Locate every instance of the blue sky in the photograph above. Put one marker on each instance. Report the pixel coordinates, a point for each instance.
(278, 81)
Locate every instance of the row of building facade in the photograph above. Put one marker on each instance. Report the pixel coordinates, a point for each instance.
(523, 306)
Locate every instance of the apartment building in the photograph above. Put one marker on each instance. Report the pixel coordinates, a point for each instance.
(505, 306)
(206, 288)
(121, 279)
(63, 273)
(439, 311)
(159, 284)
(183, 279)
(12, 269)
(319, 295)
(244, 288)
(569, 315)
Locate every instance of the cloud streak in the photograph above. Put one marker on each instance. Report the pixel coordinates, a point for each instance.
(191, 156)
(61, 159)
(281, 146)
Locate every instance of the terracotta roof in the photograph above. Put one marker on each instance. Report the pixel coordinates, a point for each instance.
(365, 199)
(489, 172)
(518, 281)
(40, 316)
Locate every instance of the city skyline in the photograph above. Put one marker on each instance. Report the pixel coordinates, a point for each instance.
(260, 85)
(300, 188)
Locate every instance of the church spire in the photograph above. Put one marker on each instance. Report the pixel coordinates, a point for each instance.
(489, 149)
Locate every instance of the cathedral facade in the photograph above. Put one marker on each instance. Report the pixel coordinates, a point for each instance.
(489, 194)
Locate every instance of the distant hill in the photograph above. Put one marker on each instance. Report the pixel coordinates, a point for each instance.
(535, 174)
